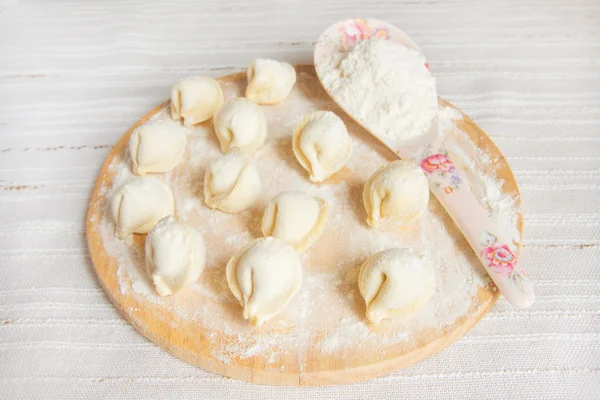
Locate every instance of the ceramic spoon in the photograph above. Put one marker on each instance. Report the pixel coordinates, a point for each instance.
(445, 180)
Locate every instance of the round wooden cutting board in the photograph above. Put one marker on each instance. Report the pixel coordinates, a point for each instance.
(322, 338)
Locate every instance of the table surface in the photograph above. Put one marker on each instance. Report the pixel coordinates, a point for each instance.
(75, 75)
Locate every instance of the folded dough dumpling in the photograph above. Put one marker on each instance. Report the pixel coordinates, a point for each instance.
(195, 99)
(157, 146)
(240, 124)
(295, 217)
(321, 144)
(264, 276)
(232, 183)
(269, 81)
(138, 205)
(395, 283)
(175, 255)
(397, 192)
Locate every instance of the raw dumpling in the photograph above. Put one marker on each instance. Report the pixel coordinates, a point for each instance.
(396, 192)
(321, 144)
(395, 283)
(269, 81)
(175, 255)
(138, 205)
(240, 124)
(157, 146)
(232, 183)
(295, 217)
(195, 99)
(264, 276)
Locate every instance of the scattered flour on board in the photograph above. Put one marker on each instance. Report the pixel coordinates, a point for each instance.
(327, 315)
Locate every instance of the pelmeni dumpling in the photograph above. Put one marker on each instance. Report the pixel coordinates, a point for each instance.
(195, 99)
(395, 283)
(269, 81)
(264, 276)
(396, 192)
(175, 255)
(232, 183)
(138, 205)
(295, 217)
(157, 146)
(321, 144)
(240, 124)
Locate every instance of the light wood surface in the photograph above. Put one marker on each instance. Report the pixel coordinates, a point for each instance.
(185, 340)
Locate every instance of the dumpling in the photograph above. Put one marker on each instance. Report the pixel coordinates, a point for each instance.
(175, 255)
(395, 283)
(195, 99)
(157, 146)
(397, 192)
(321, 144)
(264, 276)
(269, 81)
(240, 124)
(138, 205)
(295, 217)
(232, 183)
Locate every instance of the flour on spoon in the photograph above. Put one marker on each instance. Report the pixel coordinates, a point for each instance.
(385, 86)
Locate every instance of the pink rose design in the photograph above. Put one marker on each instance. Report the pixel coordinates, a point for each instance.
(437, 163)
(354, 30)
(381, 33)
(500, 258)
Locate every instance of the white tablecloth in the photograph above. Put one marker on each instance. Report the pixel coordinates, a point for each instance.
(75, 75)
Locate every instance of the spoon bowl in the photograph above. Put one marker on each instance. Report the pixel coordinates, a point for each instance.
(341, 38)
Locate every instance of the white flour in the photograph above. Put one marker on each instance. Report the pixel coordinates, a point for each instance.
(385, 86)
(327, 315)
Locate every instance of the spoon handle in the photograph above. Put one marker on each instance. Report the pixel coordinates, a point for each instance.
(492, 248)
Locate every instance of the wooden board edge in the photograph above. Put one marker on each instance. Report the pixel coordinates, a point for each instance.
(320, 378)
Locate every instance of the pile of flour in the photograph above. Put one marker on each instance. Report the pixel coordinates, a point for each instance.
(385, 86)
